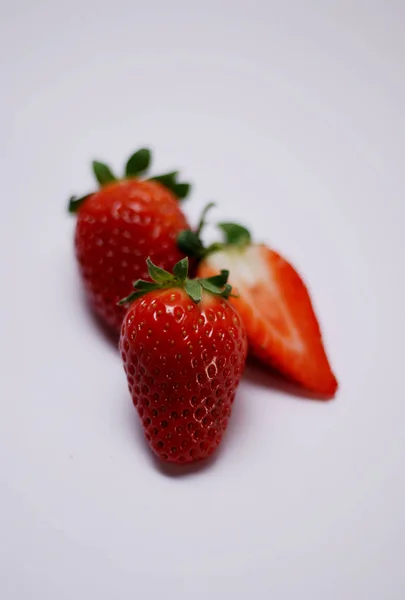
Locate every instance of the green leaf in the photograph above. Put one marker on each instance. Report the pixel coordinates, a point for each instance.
(180, 269)
(181, 190)
(211, 287)
(228, 292)
(193, 289)
(219, 290)
(131, 298)
(75, 203)
(235, 235)
(169, 180)
(138, 162)
(157, 274)
(141, 288)
(219, 280)
(145, 286)
(189, 243)
(103, 173)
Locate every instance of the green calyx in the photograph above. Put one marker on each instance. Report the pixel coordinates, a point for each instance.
(161, 280)
(75, 203)
(190, 242)
(137, 166)
(179, 188)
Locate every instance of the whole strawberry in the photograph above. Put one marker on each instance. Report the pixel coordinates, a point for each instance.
(184, 350)
(120, 225)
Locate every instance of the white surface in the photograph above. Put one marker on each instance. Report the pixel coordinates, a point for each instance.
(291, 115)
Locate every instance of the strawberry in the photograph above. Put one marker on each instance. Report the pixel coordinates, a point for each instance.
(121, 224)
(273, 303)
(184, 350)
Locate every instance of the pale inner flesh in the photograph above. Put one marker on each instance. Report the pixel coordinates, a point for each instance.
(255, 281)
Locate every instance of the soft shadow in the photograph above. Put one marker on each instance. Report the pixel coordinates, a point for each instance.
(106, 333)
(265, 376)
(80, 302)
(174, 470)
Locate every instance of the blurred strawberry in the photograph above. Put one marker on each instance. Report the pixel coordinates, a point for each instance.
(120, 225)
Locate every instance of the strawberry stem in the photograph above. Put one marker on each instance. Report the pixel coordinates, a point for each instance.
(161, 280)
(190, 242)
(202, 222)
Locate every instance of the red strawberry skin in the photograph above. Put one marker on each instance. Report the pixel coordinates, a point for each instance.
(276, 309)
(183, 363)
(117, 228)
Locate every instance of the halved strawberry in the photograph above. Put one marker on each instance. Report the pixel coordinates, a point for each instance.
(273, 302)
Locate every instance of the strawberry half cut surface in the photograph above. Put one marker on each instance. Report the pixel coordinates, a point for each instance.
(274, 304)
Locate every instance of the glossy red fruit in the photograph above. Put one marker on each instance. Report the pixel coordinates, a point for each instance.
(118, 227)
(274, 304)
(276, 309)
(183, 359)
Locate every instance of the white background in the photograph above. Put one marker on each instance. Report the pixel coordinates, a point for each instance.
(290, 115)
